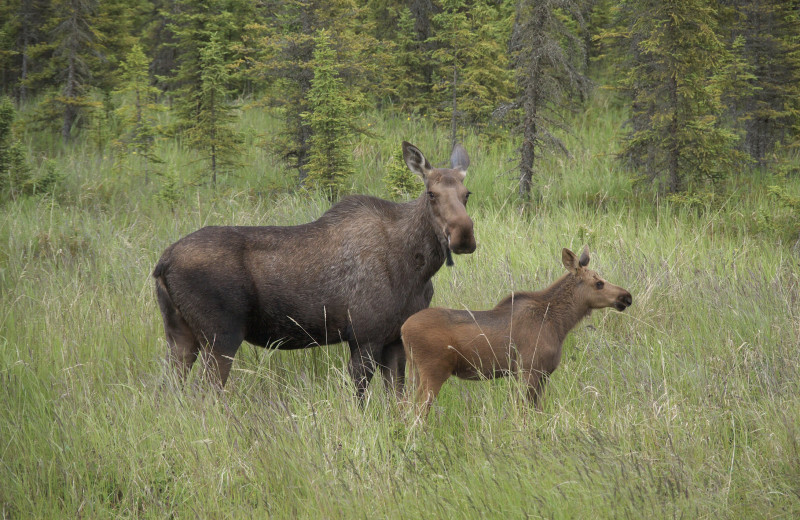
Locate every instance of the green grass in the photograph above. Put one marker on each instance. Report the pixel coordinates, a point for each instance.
(686, 405)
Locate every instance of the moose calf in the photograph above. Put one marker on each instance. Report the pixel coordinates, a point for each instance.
(522, 335)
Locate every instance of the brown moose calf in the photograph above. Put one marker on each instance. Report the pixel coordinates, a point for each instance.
(522, 335)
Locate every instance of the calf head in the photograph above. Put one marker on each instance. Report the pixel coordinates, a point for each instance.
(590, 287)
(446, 195)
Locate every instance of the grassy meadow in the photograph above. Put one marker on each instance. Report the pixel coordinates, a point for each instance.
(685, 406)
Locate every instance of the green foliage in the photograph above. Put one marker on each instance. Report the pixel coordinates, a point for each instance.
(547, 57)
(169, 192)
(16, 176)
(471, 75)
(139, 108)
(210, 130)
(14, 171)
(675, 80)
(331, 121)
(400, 182)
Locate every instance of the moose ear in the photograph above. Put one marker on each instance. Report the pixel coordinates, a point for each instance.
(415, 161)
(570, 260)
(459, 160)
(584, 260)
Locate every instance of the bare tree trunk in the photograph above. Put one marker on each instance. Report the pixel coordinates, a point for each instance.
(673, 152)
(455, 105)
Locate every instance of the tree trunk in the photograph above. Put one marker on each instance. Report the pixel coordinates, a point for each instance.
(455, 105)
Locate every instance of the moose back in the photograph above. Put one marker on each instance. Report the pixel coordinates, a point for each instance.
(354, 275)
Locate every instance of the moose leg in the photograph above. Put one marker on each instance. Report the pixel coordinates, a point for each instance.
(427, 389)
(183, 345)
(393, 367)
(362, 366)
(219, 357)
(536, 380)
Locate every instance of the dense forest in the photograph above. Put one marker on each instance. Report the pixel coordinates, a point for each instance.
(712, 88)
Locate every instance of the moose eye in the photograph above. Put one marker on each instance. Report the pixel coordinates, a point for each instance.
(431, 195)
(466, 197)
(599, 285)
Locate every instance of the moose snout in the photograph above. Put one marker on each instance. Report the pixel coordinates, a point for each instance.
(624, 301)
(461, 238)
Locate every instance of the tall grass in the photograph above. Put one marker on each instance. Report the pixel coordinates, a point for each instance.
(683, 406)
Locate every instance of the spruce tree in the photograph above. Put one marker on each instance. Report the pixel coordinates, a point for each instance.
(287, 40)
(211, 131)
(547, 57)
(14, 170)
(471, 75)
(330, 119)
(71, 51)
(764, 36)
(674, 79)
(139, 106)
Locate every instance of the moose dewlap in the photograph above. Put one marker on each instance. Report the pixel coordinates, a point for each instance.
(522, 335)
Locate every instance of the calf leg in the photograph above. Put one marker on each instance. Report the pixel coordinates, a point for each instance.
(536, 380)
(393, 367)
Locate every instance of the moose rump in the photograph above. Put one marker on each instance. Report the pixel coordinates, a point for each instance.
(353, 275)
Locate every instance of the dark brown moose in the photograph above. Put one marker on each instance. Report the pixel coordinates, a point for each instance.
(522, 335)
(353, 275)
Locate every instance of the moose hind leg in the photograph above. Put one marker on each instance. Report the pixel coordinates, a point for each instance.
(218, 356)
(183, 344)
(393, 367)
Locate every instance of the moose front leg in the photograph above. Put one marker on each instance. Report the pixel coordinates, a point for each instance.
(393, 367)
(362, 366)
(536, 380)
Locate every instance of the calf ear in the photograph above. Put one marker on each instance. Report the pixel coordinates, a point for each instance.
(459, 160)
(570, 260)
(584, 260)
(415, 161)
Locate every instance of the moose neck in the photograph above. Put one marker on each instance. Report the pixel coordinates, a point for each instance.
(423, 237)
(563, 311)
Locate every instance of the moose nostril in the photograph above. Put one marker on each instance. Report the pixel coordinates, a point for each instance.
(627, 299)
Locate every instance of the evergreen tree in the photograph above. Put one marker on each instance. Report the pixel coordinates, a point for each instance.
(547, 57)
(330, 119)
(471, 78)
(765, 38)
(675, 82)
(287, 40)
(71, 51)
(405, 74)
(14, 171)
(139, 106)
(21, 30)
(210, 131)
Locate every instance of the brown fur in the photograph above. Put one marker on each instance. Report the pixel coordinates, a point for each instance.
(522, 335)
(353, 275)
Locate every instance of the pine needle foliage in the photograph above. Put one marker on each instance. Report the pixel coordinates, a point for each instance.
(212, 131)
(330, 119)
(547, 58)
(139, 107)
(675, 80)
(400, 182)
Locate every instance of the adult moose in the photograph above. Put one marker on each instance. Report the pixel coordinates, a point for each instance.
(353, 275)
(522, 335)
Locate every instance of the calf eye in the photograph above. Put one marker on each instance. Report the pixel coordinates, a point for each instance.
(466, 198)
(599, 285)
(431, 195)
